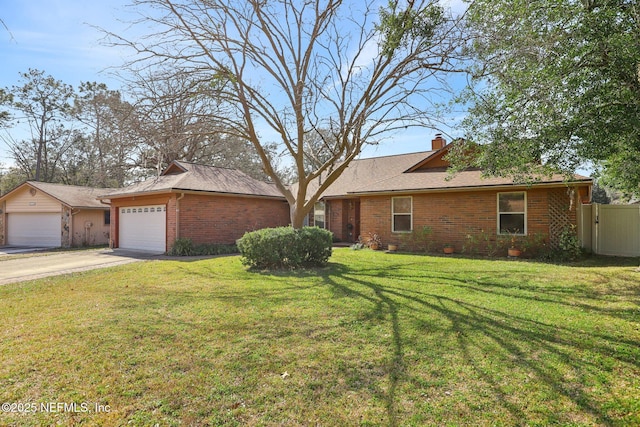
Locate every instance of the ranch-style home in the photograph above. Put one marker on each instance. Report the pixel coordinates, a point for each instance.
(392, 196)
(40, 214)
(203, 203)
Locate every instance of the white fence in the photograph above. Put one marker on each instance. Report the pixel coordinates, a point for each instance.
(610, 229)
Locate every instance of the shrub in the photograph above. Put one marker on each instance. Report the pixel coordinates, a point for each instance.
(286, 247)
(185, 247)
(568, 245)
(182, 247)
(419, 240)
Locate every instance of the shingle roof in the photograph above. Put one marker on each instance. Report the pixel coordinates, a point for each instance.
(441, 180)
(72, 195)
(363, 173)
(391, 174)
(195, 177)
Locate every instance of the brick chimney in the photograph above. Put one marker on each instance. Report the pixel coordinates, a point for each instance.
(438, 142)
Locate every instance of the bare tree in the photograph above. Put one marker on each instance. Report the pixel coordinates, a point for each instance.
(177, 117)
(177, 120)
(291, 68)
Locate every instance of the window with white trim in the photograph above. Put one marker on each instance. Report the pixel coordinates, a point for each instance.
(512, 213)
(319, 215)
(401, 214)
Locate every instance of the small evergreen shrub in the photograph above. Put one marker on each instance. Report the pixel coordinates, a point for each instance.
(185, 247)
(182, 247)
(419, 240)
(568, 245)
(286, 247)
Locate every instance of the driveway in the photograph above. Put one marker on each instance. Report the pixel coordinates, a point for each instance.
(37, 265)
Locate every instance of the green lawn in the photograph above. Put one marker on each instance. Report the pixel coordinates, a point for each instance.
(373, 339)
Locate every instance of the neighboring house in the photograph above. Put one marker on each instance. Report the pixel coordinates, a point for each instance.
(52, 215)
(203, 203)
(395, 195)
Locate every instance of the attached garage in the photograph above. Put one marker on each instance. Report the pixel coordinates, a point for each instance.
(34, 229)
(143, 228)
(205, 204)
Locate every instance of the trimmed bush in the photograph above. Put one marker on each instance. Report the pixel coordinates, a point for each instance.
(185, 247)
(286, 247)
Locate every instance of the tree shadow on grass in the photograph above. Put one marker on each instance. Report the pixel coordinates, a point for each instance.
(545, 351)
(575, 363)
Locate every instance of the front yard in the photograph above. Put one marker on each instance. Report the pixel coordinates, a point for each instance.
(373, 339)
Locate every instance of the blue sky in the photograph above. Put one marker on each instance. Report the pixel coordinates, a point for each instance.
(59, 38)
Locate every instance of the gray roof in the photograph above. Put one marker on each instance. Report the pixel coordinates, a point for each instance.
(184, 176)
(74, 196)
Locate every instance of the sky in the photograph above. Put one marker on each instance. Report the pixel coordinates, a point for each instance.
(59, 37)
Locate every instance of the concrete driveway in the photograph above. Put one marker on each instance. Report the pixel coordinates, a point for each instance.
(36, 265)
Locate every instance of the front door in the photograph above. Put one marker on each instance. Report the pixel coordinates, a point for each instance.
(356, 215)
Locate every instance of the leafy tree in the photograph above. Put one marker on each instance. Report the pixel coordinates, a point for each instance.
(10, 178)
(599, 195)
(4, 115)
(558, 85)
(292, 67)
(44, 103)
(104, 153)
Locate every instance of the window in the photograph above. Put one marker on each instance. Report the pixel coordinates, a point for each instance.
(512, 213)
(318, 215)
(107, 217)
(401, 214)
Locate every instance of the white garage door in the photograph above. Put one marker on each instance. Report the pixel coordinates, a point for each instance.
(34, 229)
(143, 228)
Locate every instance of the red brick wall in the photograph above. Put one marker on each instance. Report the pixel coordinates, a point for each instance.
(221, 219)
(454, 216)
(171, 220)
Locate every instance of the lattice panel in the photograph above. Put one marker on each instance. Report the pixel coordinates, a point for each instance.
(559, 207)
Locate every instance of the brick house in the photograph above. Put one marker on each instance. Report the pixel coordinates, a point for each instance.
(42, 214)
(395, 196)
(203, 203)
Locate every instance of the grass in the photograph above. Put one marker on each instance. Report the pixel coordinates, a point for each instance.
(373, 339)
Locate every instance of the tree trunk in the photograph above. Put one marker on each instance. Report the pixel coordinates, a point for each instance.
(39, 161)
(297, 217)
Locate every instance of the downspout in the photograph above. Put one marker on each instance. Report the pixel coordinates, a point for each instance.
(178, 215)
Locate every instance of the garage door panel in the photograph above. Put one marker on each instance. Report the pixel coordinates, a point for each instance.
(143, 228)
(34, 229)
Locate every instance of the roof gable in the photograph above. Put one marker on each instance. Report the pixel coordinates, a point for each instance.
(434, 161)
(74, 196)
(175, 168)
